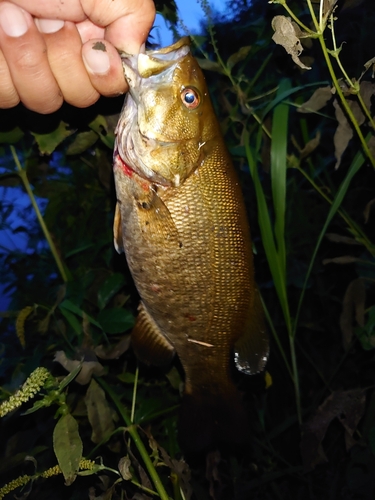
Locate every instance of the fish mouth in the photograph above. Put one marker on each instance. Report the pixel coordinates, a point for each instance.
(153, 62)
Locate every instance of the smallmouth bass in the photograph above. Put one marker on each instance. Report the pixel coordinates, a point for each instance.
(180, 218)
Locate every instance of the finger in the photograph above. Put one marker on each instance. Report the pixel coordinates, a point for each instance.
(8, 94)
(24, 50)
(127, 22)
(65, 59)
(104, 67)
(68, 10)
(90, 31)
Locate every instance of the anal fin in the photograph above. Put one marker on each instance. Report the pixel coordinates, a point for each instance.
(149, 343)
(251, 350)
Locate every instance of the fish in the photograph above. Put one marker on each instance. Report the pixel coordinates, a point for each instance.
(180, 219)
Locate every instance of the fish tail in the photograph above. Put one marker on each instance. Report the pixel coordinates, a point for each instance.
(207, 419)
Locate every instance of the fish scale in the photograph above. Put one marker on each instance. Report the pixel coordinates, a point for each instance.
(182, 223)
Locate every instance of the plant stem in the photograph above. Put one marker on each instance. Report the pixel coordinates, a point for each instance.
(295, 18)
(132, 429)
(134, 394)
(336, 56)
(344, 102)
(23, 175)
(295, 377)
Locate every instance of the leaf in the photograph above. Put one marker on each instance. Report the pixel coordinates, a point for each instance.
(99, 413)
(238, 56)
(317, 101)
(366, 335)
(328, 6)
(344, 131)
(72, 320)
(310, 146)
(353, 302)
(68, 447)
(367, 210)
(47, 143)
(80, 249)
(288, 34)
(12, 136)
(100, 126)
(69, 378)
(368, 65)
(348, 407)
(70, 306)
(82, 142)
(367, 90)
(115, 320)
(338, 238)
(113, 352)
(88, 368)
(109, 288)
(124, 468)
(344, 259)
(209, 65)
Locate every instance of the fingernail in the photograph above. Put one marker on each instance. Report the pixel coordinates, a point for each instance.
(13, 20)
(49, 25)
(96, 60)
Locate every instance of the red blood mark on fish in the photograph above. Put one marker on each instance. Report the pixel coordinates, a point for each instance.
(119, 162)
(155, 288)
(190, 317)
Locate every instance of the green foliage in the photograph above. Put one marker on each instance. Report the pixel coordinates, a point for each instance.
(303, 145)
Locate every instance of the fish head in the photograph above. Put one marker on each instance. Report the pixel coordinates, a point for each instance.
(167, 122)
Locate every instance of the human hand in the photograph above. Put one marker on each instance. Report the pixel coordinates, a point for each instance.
(53, 50)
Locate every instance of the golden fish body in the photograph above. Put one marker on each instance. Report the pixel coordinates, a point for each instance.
(181, 221)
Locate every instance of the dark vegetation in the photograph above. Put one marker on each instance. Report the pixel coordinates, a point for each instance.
(312, 414)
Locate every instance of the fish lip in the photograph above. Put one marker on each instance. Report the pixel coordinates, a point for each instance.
(152, 62)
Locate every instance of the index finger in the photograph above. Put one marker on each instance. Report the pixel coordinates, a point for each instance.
(127, 22)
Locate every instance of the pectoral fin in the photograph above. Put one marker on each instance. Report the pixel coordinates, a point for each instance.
(251, 350)
(155, 218)
(149, 343)
(117, 230)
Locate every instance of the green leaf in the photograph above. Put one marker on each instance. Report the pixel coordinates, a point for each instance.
(356, 164)
(72, 320)
(70, 306)
(109, 288)
(115, 320)
(100, 126)
(99, 413)
(72, 375)
(79, 249)
(12, 136)
(127, 377)
(281, 96)
(48, 142)
(238, 56)
(68, 447)
(38, 405)
(209, 65)
(278, 180)
(82, 142)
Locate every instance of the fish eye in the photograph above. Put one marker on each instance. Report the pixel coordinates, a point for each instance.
(190, 98)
